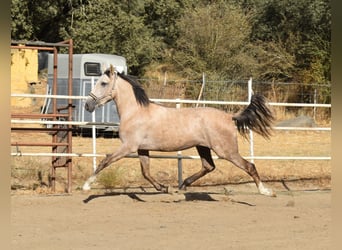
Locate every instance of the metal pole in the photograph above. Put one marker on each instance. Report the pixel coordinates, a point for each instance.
(54, 110)
(93, 127)
(201, 91)
(251, 145)
(70, 77)
(179, 159)
(315, 102)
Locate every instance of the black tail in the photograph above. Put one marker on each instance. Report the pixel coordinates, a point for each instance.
(257, 117)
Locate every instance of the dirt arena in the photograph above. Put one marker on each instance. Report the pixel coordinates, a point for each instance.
(220, 217)
(209, 216)
(229, 216)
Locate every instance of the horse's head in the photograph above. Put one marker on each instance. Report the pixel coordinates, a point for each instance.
(103, 90)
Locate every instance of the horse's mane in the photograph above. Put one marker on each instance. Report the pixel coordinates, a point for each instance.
(139, 92)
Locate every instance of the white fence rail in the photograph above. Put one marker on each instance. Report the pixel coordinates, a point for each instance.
(179, 155)
(176, 101)
(185, 157)
(183, 101)
(76, 123)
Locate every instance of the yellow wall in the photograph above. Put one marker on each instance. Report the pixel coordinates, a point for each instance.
(24, 70)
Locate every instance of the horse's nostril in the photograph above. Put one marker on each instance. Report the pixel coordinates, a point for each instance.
(89, 106)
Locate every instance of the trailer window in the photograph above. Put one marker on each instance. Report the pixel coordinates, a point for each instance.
(92, 69)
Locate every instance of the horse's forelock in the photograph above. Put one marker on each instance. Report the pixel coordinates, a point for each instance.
(110, 71)
(107, 72)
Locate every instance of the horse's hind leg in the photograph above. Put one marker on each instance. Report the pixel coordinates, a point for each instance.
(207, 166)
(250, 169)
(145, 170)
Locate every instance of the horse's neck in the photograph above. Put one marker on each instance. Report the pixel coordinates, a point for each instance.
(125, 101)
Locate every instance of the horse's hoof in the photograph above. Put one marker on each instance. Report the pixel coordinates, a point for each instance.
(273, 194)
(164, 189)
(182, 187)
(86, 187)
(266, 191)
(269, 192)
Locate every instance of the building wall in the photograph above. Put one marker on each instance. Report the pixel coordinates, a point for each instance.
(24, 71)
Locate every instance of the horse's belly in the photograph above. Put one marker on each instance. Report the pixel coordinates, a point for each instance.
(172, 142)
(199, 127)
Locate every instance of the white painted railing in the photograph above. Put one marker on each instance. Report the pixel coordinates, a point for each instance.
(184, 101)
(179, 155)
(177, 101)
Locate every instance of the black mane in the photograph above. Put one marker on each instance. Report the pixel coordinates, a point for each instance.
(139, 92)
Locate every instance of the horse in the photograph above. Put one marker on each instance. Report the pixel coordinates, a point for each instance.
(147, 126)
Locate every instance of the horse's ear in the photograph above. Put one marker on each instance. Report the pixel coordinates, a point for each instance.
(112, 69)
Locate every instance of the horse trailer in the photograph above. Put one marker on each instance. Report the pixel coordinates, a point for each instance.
(87, 68)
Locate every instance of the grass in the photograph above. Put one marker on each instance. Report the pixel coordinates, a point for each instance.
(112, 178)
(29, 173)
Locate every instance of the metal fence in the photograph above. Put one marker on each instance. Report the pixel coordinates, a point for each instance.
(296, 98)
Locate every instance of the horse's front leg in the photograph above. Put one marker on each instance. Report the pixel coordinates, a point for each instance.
(120, 153)
(145, 170)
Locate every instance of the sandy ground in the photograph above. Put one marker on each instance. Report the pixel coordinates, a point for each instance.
(230, 217)
(234, 216)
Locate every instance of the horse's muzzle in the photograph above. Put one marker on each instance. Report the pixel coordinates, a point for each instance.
(90, 105)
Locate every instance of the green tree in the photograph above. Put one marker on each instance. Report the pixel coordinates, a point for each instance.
(214, 39)
(21, 25)
(161, 17)
(47, 20)
(104, 27)
(303, 28)
(274, 39)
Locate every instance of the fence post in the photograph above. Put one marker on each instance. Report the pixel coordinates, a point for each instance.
(315, 102)
(179, 158)
(251, 138)
(93, 128)
(201, 91)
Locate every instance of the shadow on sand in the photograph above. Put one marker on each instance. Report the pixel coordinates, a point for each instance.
(188, 196)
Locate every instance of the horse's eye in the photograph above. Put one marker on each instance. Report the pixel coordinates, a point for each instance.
(103, 84)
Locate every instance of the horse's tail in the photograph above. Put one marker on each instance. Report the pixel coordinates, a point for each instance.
(256, 116)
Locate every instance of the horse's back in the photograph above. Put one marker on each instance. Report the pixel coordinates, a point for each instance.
(188, 116)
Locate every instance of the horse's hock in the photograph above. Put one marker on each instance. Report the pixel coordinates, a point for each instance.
(24, 72)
